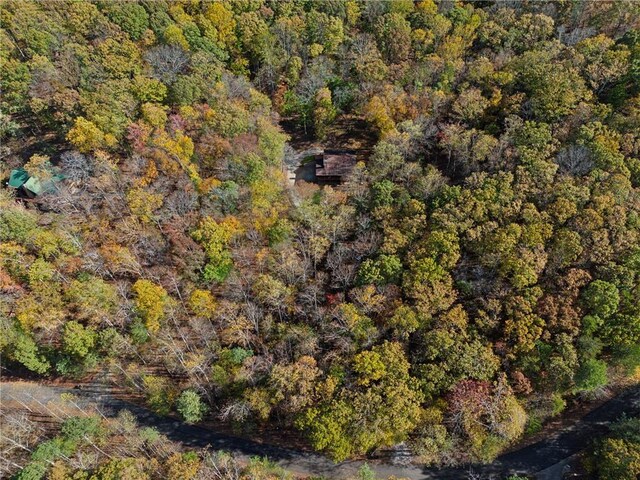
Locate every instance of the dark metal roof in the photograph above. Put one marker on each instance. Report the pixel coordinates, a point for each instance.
(335, 164)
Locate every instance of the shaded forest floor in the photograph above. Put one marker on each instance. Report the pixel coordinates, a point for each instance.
(347, 132)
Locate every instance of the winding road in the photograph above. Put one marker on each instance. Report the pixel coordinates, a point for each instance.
(527, 460)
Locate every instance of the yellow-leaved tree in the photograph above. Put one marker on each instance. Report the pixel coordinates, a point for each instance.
(151, 303)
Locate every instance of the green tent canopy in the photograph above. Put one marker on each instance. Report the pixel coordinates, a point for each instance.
(20, 178)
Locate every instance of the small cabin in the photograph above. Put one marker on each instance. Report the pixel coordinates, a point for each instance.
(322, 167)
(332, 167)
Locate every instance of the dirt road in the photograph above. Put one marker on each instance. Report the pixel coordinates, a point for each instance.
(530, 459)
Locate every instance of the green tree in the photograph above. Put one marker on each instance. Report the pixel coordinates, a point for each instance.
(323, 112)
(393, 33)
(78, 341)
(601, 298)
(26, 351)
(160, 394)
(382, 412)
(131, 17)
(93, 299)
(555, 87)
(591, 375)
(215, 238)
(190, 406)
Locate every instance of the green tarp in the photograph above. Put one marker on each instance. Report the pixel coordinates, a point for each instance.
(33, 185)
(19, 178)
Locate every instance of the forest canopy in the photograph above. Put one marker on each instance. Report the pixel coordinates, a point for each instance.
(475, 271)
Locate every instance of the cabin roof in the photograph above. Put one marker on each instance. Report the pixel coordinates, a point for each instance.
(335, 164)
